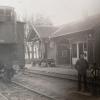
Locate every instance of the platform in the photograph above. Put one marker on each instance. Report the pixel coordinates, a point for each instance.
(66, 73)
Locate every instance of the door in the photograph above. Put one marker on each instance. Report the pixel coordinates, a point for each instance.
(83, 49)
(63, 54)
(74, 53)
(77, 49)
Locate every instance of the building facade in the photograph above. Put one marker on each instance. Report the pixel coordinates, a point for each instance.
(73, 39)
(40, 43)
(66, 44)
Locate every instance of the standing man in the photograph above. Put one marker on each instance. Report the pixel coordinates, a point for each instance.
(82, 66)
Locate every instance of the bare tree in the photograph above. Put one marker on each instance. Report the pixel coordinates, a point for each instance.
(27, 31)
(31, 23)
(42, 20)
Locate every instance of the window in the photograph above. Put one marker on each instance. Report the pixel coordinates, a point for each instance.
(1, 11)
(8, 14)
(51, 44)
(74, 50)
(64, 53)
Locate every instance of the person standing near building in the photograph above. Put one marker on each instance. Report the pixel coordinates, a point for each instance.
(82, 66)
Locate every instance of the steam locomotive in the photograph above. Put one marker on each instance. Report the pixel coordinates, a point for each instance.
(11, 42)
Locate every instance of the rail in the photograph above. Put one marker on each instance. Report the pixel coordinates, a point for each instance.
(32, 90)
(3, 97)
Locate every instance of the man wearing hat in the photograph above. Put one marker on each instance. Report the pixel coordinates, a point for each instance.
(82, 66)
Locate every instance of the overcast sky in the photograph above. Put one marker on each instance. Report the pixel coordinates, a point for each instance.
(60, 11)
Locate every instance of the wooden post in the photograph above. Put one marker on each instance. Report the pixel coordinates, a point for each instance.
(32, 50)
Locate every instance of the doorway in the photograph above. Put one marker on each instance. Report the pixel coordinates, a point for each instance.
(63, 53)
(77, 49)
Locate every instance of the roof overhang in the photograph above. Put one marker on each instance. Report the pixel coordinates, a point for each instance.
(73, 34)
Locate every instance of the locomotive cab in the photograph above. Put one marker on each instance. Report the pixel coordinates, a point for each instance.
(11, 42)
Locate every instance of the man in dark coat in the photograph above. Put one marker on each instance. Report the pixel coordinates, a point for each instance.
(82, 66)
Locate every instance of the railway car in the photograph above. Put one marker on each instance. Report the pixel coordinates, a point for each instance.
(11, 42)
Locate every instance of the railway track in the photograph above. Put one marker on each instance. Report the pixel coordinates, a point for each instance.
(3, 97)
(34, 91)
(53, 75)
(17, 91)
(31, 80)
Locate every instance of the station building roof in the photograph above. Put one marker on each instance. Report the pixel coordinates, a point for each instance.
(42, 31)
(78, 26)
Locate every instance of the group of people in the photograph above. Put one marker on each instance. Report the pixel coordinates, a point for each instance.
(81, 67)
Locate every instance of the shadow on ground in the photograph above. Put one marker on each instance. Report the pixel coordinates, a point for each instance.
(81, 96)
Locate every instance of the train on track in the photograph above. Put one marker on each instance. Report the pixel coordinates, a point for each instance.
(11, 42)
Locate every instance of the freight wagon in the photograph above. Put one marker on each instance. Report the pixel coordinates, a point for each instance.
(11, 42)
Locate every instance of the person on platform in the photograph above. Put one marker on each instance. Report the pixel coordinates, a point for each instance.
(82, 66)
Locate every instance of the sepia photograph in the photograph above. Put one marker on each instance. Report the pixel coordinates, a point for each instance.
(49, 49)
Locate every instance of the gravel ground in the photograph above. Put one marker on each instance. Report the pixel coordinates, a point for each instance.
(14, 92)
(57, 88)
(52, 87)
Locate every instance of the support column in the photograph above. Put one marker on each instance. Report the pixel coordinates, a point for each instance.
(70, 47)
(32, 51)
(77, 50)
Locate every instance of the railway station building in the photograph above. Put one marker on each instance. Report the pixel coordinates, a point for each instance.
(75, 38)
(65, 44)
